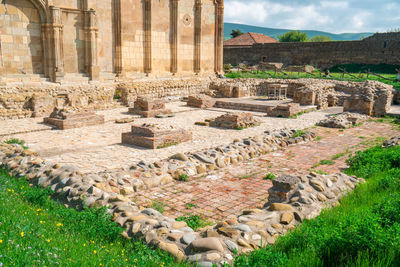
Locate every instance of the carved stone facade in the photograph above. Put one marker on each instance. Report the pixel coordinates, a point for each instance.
(98, 40)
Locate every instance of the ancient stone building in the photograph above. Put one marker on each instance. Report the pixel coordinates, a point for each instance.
(100, 39)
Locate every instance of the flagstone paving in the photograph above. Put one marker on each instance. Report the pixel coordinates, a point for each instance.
(227, 192)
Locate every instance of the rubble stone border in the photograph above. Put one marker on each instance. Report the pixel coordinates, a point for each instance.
(292, 199)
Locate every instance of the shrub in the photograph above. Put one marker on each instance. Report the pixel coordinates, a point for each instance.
(183, 177)
(270, 176)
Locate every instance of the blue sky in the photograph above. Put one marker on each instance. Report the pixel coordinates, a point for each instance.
(326, 15)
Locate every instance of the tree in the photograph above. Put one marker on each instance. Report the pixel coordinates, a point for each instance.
(293, 36)
(236, 33)
(321, 38)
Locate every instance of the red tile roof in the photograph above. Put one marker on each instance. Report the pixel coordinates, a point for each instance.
(248, 39)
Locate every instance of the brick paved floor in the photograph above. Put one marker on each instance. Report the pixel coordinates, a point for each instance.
(229, 191)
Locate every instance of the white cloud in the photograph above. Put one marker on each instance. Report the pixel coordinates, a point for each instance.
(237, 11)
(325, 15)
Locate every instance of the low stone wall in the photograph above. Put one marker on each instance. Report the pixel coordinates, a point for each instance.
(38, 99)
(21, 100)
(175, 88)
(292, 199)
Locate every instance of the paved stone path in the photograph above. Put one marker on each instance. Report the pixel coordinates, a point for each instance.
(227, 192)
(98, 148)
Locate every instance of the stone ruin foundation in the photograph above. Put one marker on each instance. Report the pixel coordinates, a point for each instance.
(147, 107)
(154, 136)
(201, 101)
(65, 119)
(285, 111)
(238, 120)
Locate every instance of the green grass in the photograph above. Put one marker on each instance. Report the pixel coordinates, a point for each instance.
(190, 205)
(37, 231)
(338, 156)
(363, 231)
(298, 133)
(194, 221)
(334, 76)
(16, 141)
(158, 206)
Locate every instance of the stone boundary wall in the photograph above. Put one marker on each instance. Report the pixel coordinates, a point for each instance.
(292, 199)
(380, 48)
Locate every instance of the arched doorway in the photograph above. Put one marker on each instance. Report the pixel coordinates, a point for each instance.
(21, 50)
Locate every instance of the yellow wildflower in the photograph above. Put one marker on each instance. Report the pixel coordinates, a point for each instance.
(1, 241)
(22, 234)
(59, 224)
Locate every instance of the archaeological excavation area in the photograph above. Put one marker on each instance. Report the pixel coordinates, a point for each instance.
(251, 158)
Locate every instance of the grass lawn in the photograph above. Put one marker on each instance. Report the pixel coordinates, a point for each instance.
(316, 74)
(37, 231)
(363, 231)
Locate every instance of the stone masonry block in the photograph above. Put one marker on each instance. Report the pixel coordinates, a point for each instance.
(154, 136)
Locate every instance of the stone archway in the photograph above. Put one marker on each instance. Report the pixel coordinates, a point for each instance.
(21, 48)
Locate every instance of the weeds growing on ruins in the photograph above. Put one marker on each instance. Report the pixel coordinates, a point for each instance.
(363, 231)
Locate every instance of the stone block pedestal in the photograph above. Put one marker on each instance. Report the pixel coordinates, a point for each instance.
(285, 111)
(149, 107)
(74, 120)
(155, 136)
(201, 101)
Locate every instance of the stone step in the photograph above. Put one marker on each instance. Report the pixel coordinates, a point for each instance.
(10, 78)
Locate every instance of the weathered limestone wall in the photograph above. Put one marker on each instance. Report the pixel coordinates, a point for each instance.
(68, 40)
(380, 48)
(20, 41)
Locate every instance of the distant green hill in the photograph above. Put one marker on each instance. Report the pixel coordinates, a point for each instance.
(275, 33)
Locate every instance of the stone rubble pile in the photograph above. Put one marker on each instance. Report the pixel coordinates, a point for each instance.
(292, 199)
(394, 141)
(343, 120)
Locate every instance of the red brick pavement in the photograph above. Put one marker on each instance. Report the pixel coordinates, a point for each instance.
(227, 192)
